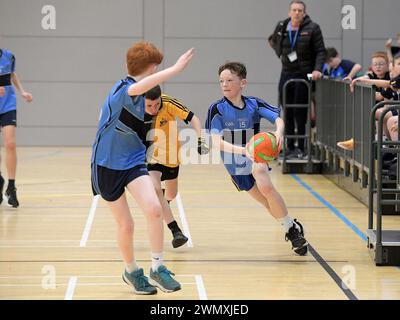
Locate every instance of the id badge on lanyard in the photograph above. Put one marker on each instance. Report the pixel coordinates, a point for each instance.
(293, 55)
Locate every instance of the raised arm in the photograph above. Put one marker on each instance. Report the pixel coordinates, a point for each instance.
(388, 46)
(155, 79)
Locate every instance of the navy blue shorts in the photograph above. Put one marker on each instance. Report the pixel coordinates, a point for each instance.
(110, 184)
(8, 119)
(167, 173)
(243, 182)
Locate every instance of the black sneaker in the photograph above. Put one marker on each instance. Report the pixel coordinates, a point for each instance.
(1, 188)
(179, 239)
(12, 197)
(296, 237)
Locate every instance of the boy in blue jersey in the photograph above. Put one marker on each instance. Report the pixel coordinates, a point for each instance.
(338, 68)
(8, 121)
(118, 162)
(232, 121)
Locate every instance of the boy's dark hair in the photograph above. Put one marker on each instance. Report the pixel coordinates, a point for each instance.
(153, 94)
(331, 53)
(299, 2)
(397, 56)
(237, 68)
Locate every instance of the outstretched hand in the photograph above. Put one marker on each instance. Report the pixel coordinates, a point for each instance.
(184, 60)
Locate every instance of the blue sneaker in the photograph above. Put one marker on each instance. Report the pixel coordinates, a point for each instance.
(139, 282)
(162, 279)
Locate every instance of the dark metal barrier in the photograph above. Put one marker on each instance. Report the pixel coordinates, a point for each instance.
(385, 243)
(307, 136)
(342, 115)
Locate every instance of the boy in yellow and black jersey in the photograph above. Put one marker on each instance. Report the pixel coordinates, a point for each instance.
(163, 150)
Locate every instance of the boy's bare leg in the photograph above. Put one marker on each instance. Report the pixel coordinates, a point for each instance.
(171, 189)
(264, 185)
(11, 150)
(125, 227)
(179, 239)
(167, 214)
(277, 207)
(142, 190)
(11, 164)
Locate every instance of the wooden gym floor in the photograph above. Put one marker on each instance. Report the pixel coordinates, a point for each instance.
(60, 243)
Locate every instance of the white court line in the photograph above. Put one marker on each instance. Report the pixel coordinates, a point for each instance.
(83, 276)
(87, 284)
(73, 283)
(185, 224)
(68, 241)
(71, 288)
(89, 221)
(200, 287)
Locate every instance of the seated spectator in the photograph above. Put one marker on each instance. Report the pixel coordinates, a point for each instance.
(336, 67)
(389, 91)
(379, 71)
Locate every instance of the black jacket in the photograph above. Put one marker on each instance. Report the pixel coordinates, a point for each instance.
(309, 47)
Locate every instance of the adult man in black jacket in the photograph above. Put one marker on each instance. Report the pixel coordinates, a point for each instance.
(299, 43)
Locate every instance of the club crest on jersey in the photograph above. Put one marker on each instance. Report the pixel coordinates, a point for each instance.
(162, 122)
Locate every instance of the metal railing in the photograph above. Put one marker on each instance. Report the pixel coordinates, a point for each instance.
(377, 148)
(307, 136)
(342, 115)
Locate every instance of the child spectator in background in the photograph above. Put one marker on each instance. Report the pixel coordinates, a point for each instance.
(336, 67)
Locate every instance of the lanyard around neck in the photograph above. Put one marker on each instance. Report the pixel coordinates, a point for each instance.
(293, 41)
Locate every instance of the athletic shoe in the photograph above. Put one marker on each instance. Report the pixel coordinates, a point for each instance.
(179, 239)
(12, 197)
(296, 237)
(162, 279)
(346, 145)
(139, 282)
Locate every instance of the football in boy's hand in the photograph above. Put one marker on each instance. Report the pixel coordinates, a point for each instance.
(263, 147)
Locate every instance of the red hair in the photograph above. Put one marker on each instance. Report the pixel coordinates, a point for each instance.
(380, 54)
(141, 56)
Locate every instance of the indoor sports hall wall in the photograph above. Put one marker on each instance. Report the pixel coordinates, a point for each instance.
(70, 69)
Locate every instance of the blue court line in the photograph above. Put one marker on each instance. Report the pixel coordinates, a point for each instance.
(330, 207)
